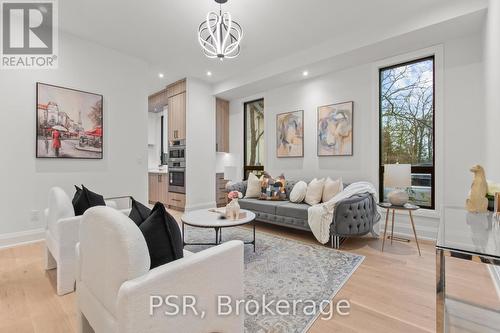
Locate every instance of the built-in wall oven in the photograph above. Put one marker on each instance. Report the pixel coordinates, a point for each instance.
(177, 150)
(177, 180)
(177, 166)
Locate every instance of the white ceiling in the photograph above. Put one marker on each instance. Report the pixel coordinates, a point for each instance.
(164, 32)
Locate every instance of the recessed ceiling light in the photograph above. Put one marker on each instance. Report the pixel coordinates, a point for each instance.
(160, 75)
(305, 73)
(209, 73)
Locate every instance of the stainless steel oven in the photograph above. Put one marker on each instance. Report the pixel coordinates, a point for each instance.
(177, 151)
(176, 180)
(177, 166)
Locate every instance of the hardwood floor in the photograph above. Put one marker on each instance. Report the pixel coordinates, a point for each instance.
(392, 291)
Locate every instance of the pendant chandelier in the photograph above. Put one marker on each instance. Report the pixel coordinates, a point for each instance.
(219, 36)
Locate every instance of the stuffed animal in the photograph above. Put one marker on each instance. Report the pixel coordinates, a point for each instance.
(477, 201)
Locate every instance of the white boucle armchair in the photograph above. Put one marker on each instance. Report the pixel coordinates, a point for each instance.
(114, 283)
(61, 236)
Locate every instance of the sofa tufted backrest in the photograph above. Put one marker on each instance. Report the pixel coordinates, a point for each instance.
(112, 251)
(357, 213)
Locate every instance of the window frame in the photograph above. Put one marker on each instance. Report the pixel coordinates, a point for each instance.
(414, 169)
(245, 166)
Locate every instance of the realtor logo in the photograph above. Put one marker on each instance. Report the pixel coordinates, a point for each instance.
(29, 34)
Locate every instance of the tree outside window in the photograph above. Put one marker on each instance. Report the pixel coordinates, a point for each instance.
(407, 125)
(254, 137)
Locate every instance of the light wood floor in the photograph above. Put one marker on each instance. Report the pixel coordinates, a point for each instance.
(392, 291)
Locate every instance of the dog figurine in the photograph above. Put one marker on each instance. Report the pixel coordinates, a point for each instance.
(477, 201)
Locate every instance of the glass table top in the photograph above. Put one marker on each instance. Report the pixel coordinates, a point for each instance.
(474, 233)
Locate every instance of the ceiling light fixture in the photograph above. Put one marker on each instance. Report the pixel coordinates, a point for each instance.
(160, 75)
(209, 73)
(305, 73)
(220, 36)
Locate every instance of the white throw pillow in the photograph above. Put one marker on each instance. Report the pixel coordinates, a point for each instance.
(298, 192)
(314, 191)
(332, 188)
(253, 186)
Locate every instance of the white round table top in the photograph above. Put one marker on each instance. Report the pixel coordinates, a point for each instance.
(206, 219)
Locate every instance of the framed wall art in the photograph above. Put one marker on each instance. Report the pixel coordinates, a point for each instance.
(290, 134)
(335, 123)
(69, 123)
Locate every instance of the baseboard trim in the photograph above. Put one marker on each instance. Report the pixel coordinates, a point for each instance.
(21, 237)
(205, 205)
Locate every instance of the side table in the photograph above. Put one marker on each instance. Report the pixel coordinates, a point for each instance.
(407, 207)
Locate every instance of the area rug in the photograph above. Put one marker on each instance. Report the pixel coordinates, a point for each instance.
(284, 269)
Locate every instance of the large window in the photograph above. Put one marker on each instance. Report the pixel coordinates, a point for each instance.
(407, 125)
(254, 137)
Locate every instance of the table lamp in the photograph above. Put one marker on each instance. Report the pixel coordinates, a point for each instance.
(398, 177)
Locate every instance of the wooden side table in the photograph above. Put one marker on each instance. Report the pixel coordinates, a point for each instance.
(407, 207)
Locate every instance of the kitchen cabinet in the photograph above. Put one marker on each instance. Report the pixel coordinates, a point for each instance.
(176, 88)
(220, 190)
(176, 93)
(177, 117)
(153, 188)
(176, 201)
(222, 125)
(158, 187)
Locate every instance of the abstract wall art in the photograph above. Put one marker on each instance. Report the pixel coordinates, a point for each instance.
(290, 134)
(335, 124)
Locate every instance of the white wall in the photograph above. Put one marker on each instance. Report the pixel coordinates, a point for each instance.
(154, 139)
(492, 79)
(200, 145)
(25, 180)
(463, 138)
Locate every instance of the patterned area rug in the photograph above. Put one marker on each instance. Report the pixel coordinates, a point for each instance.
(284, 269)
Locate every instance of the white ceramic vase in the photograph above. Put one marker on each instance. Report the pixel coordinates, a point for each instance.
(233, 209)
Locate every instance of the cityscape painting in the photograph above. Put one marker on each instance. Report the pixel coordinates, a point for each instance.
(335, 129)
(69, 123)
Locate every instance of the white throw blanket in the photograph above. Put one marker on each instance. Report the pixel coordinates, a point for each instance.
(320, 216)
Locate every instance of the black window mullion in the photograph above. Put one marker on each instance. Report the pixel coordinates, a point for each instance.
(415, 169)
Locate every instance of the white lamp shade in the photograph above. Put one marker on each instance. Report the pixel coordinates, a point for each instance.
(397, 175)
(230, 173)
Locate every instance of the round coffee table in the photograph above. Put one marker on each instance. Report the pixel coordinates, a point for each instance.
(204, 218)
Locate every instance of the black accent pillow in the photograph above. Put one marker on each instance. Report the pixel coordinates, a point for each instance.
(139, 213)
(162, 235)
(84, 199)
(78, 203)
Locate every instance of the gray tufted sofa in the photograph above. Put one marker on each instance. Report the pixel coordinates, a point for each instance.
(354, 216)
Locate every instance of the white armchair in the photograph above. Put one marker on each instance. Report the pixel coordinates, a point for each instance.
(61, 236)
(114, 283)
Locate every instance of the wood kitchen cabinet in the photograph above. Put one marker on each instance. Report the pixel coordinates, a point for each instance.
(220, 190)
(158, 188)
(222, 125)
(176, 93)
(176, 201)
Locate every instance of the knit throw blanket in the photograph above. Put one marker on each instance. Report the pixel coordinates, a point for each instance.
(320, 216)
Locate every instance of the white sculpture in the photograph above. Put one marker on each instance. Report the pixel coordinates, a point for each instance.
(476, 201)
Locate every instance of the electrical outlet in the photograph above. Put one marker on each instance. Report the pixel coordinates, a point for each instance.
(35, 215)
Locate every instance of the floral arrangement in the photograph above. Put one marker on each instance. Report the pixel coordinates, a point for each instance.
(234, 195)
